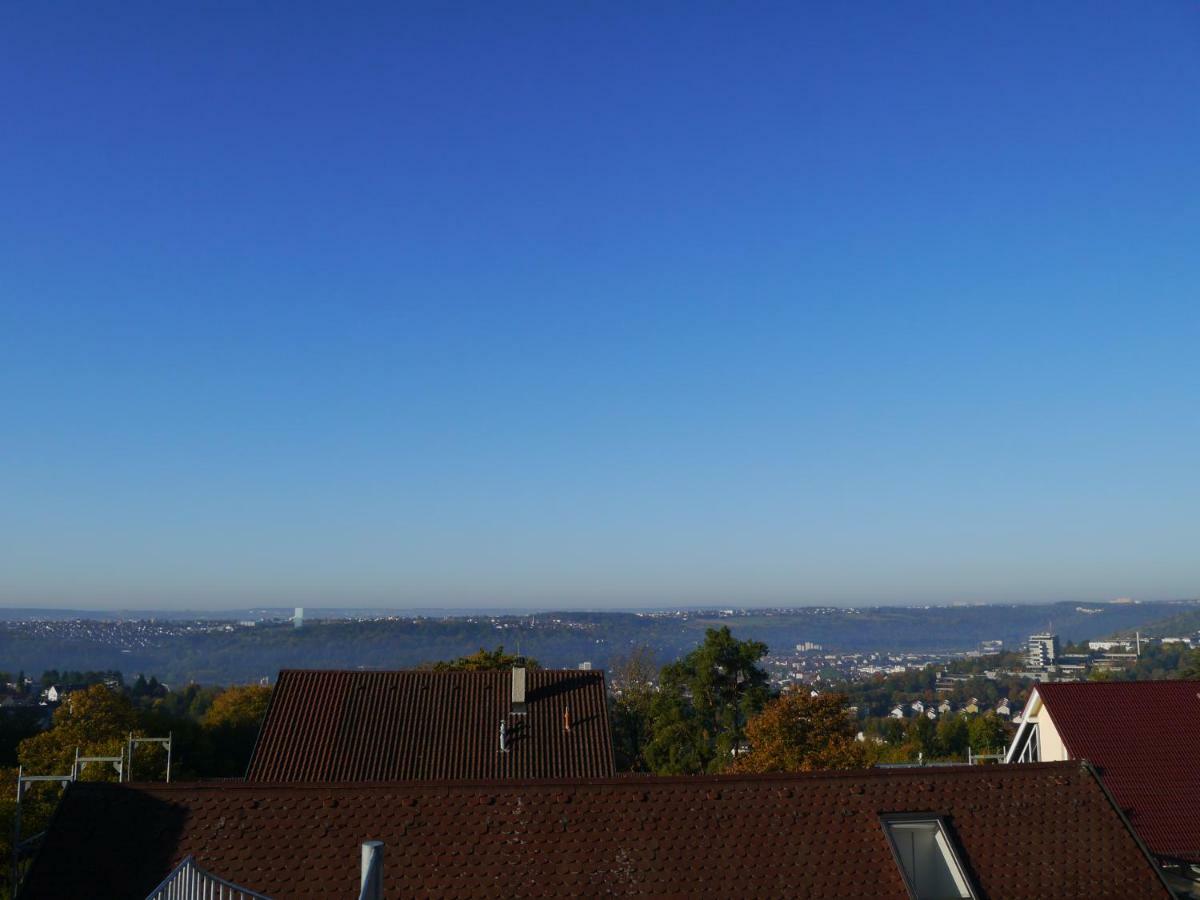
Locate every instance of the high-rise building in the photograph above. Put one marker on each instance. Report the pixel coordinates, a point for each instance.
(1041, 651)
(298, 618)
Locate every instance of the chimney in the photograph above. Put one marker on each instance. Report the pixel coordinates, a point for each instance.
(566, 718)
(518, 690)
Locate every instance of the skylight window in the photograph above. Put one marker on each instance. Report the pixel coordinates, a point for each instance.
(927, 858)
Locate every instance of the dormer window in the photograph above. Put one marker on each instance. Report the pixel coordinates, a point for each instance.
(927, 858)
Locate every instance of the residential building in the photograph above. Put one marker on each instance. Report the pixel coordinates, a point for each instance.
(1144, 739)
(1042, 651)
(889, 834)
(421, 724)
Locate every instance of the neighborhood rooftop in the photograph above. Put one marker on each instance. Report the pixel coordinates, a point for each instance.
(1143, 737)
(1029, 831)
(419, 724)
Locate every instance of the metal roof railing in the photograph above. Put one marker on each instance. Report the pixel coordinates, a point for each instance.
(188, 881)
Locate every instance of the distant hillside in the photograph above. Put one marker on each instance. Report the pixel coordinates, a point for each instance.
(1181, 624)
(559, 639)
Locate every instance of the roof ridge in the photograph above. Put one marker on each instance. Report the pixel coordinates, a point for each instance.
(631, 782)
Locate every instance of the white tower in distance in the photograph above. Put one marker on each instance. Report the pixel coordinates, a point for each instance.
(298, 618)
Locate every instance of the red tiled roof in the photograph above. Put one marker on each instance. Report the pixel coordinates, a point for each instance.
(388, 726)
(1032, 831)
(1144, 738)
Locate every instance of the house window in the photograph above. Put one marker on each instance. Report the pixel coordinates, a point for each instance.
(927, 858)
(1032, 751)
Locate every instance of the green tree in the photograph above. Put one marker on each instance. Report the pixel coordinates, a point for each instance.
(920, 739)
(988, 734)
(630, 707)
(486, 659)
(798, 732)
(700, 712)
(1190, 665)
(952, 737)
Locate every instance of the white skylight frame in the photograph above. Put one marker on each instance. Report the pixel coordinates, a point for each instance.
(897, 824)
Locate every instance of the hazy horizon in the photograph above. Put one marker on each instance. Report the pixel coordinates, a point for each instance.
(695, 305)
(315, 609)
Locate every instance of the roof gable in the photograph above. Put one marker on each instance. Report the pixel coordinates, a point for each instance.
(1144, 739)
(418, 724)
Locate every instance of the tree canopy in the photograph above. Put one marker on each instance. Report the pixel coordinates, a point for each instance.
(699, 715)
(483, 660)
(798, 732)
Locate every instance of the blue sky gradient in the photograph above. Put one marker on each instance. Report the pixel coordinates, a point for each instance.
(596, 304)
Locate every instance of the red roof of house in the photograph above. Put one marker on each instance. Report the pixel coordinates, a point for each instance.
(1032, 831)
(1144, 738)
(402, 725)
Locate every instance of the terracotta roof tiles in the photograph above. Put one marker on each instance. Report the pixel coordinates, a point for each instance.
(1144, 738)
(1030, 831)
(421, 725)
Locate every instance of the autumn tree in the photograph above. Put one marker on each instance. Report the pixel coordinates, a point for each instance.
(699, 714)
(96, 721)
(231, 727)
(798, 732)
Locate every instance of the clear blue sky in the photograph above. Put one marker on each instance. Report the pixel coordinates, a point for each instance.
(598, 304)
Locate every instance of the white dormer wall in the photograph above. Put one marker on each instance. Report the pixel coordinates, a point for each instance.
(1050, 743)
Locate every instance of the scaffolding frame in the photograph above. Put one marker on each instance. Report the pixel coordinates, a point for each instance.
(117, 762)
(161, 741)
(23, 781)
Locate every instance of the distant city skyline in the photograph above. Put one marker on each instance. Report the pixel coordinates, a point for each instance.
(565, 307)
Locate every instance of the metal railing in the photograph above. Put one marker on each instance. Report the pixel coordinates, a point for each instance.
(188, 881)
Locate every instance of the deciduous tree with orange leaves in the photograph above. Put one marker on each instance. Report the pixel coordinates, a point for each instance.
(798, 732)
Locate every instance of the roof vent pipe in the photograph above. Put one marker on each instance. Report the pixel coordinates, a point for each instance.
(518, 690)
(371, 886)
(503, 737)
(566, 718)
